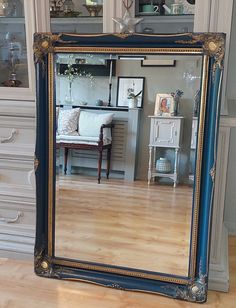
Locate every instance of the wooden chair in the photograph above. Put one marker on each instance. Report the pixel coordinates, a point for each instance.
(88, 143)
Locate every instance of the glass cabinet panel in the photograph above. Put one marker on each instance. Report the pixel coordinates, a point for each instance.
(13, 47)
(79, 16)
(165, 16)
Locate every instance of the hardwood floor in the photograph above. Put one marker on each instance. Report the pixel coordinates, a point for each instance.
(113, 222)
(21, 288)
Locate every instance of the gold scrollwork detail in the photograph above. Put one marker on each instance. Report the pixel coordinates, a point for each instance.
(213, 45)
(213, 173)
(44, 265)
(122, 35)
(43, 44)
(36, 164)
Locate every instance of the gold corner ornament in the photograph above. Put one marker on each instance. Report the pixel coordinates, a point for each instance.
(43, 44)
(213, 45)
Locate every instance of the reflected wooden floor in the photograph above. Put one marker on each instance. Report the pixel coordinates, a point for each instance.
(125, 224)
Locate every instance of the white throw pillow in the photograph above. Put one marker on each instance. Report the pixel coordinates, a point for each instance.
(91, 122)
(68, 121)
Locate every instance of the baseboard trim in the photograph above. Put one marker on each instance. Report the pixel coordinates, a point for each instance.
(231, 226)
(219, 273)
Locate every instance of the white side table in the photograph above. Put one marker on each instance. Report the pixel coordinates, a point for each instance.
(165, 132)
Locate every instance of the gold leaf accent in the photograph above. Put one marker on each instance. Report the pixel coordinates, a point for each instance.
(122, 35)
(43, 44)
(44, 265)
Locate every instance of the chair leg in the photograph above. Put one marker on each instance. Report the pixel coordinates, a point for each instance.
(99, 166)
(65, 159)
(108, 162)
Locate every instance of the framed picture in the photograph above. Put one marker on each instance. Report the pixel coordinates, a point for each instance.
(164, 105)
(128, 87)
(154, 62)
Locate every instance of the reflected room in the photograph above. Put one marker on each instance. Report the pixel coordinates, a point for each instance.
(126, 143)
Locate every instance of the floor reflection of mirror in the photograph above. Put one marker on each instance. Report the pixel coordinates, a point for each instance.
(125, 224)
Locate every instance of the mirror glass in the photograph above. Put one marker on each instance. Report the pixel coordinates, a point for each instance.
(141, 216)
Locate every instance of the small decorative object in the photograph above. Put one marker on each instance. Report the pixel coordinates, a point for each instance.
(163, 165)
(130, 92)
(56, 8)
(133, 99)
(188, 6)
(13, 61)
(71, 73)
(127, 23)
(177, 9)
(94, 2)
(164, 105)
(161, 7)
(149, 8)
(197, 99)
(94, 9)
(14, 8)
(3, 8)
(99, 102)
(68, 6)
(176, 95)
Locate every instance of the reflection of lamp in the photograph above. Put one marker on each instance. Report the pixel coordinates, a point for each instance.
(13, 60)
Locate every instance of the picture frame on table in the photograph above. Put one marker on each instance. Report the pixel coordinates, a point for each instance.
(164, 105)
(128, 87)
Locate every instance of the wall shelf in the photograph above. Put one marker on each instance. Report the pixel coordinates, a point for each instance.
(12, 20)
(77, 20)
(167, 18)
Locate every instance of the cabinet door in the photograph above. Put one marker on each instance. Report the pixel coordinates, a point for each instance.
(165, 133)
(171, 18)
(81, 16)
(17, 23)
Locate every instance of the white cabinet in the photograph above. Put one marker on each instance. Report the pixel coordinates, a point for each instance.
(17, 130)
(165, 132)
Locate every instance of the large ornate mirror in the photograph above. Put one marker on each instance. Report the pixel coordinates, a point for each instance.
(125, 159)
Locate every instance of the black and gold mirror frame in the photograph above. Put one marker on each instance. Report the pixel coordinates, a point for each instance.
(209, 47)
